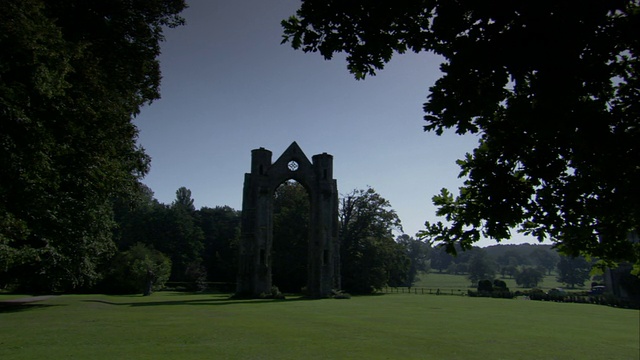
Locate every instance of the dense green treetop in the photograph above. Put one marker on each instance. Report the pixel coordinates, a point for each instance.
(481, 266)
(529, 277)
(221, 228)
(183, 199)
(552, 90)
(369, 256)
(418, 254)
(573, 271)
(72, 76)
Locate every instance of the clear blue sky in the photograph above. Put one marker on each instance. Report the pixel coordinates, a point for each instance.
(229, 87)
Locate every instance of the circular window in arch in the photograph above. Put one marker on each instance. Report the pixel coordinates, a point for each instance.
(293, 165)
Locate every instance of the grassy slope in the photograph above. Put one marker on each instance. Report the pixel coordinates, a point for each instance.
(172, 325)
(435, 280)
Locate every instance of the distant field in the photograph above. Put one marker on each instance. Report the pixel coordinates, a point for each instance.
(181, 326)
(435, 280)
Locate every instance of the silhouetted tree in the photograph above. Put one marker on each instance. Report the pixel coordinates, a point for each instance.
(418, 254)
(368, 253)
(139, 269)
(481, 266)
(573, 271)
(549, 87)
(184, 200)
(529, 277)
(183, 238)
(72, 76)
(440, 258)
(512, 258)
(547, 259)
(221, 230)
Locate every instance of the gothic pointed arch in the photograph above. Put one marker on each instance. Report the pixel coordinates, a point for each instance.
(254, 272)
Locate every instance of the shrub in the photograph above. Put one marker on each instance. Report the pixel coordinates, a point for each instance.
(485, 288)
(529, 277)
(196, 276)
(274, 294)
(499, 284)
(138, 270)
(339, 294)
(536, 294)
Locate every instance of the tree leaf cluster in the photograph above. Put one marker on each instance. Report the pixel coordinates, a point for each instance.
(370, 258)
(73, 74)
(201, 244)
(551, 89)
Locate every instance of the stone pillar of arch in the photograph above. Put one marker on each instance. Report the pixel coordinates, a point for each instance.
(254, 272)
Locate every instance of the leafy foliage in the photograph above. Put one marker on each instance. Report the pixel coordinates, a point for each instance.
(418, 254)
(551, 88)
(72, 76)
(481, 266)
(440, 259)
(221, 229)
(184, 200)
(138, 270)
(529, 277)
(573, 270)
(369, 256)
(545, 259)
(173, 230)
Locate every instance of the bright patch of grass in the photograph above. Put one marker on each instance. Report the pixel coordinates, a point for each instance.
(174, 325)
(435, 280)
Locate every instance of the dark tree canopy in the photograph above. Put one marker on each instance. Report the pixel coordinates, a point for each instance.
(72, 76)
(221, 228)
(369, 257)
(551, 88)
(573, 270)
(529, 277)
(418, 254)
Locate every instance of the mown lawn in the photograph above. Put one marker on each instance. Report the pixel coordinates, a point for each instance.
(443, 281)
(181, 326)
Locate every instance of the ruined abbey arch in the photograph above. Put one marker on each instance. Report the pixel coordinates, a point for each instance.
(254, 272)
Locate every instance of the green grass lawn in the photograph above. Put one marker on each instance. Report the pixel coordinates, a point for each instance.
(181, 326)
(435, 280)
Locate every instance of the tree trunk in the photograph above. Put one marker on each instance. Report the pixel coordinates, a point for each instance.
(148, 289)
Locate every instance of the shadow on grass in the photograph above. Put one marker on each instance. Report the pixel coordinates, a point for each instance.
(14, 308)
(23, 303)
(210, 302)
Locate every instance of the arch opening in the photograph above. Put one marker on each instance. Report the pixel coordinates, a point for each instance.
(290, 249)
(259, 220)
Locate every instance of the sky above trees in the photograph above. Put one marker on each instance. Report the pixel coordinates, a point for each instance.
(229, 87)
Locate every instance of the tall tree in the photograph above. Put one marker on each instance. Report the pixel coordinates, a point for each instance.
(418, 254)
(139, 269)
(512, 258)
(529, 277)
(440, 259)
(545, 258)
(173, 229)
(368, 253)
(481, 267)
(551, 88)
(184, 200)
(184, 240)
(221, 228)
(72, 76)
(573, 271)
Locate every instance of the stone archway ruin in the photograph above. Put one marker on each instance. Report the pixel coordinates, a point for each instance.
(254, 272)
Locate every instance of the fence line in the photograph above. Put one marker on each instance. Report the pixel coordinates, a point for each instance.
(423, 291)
